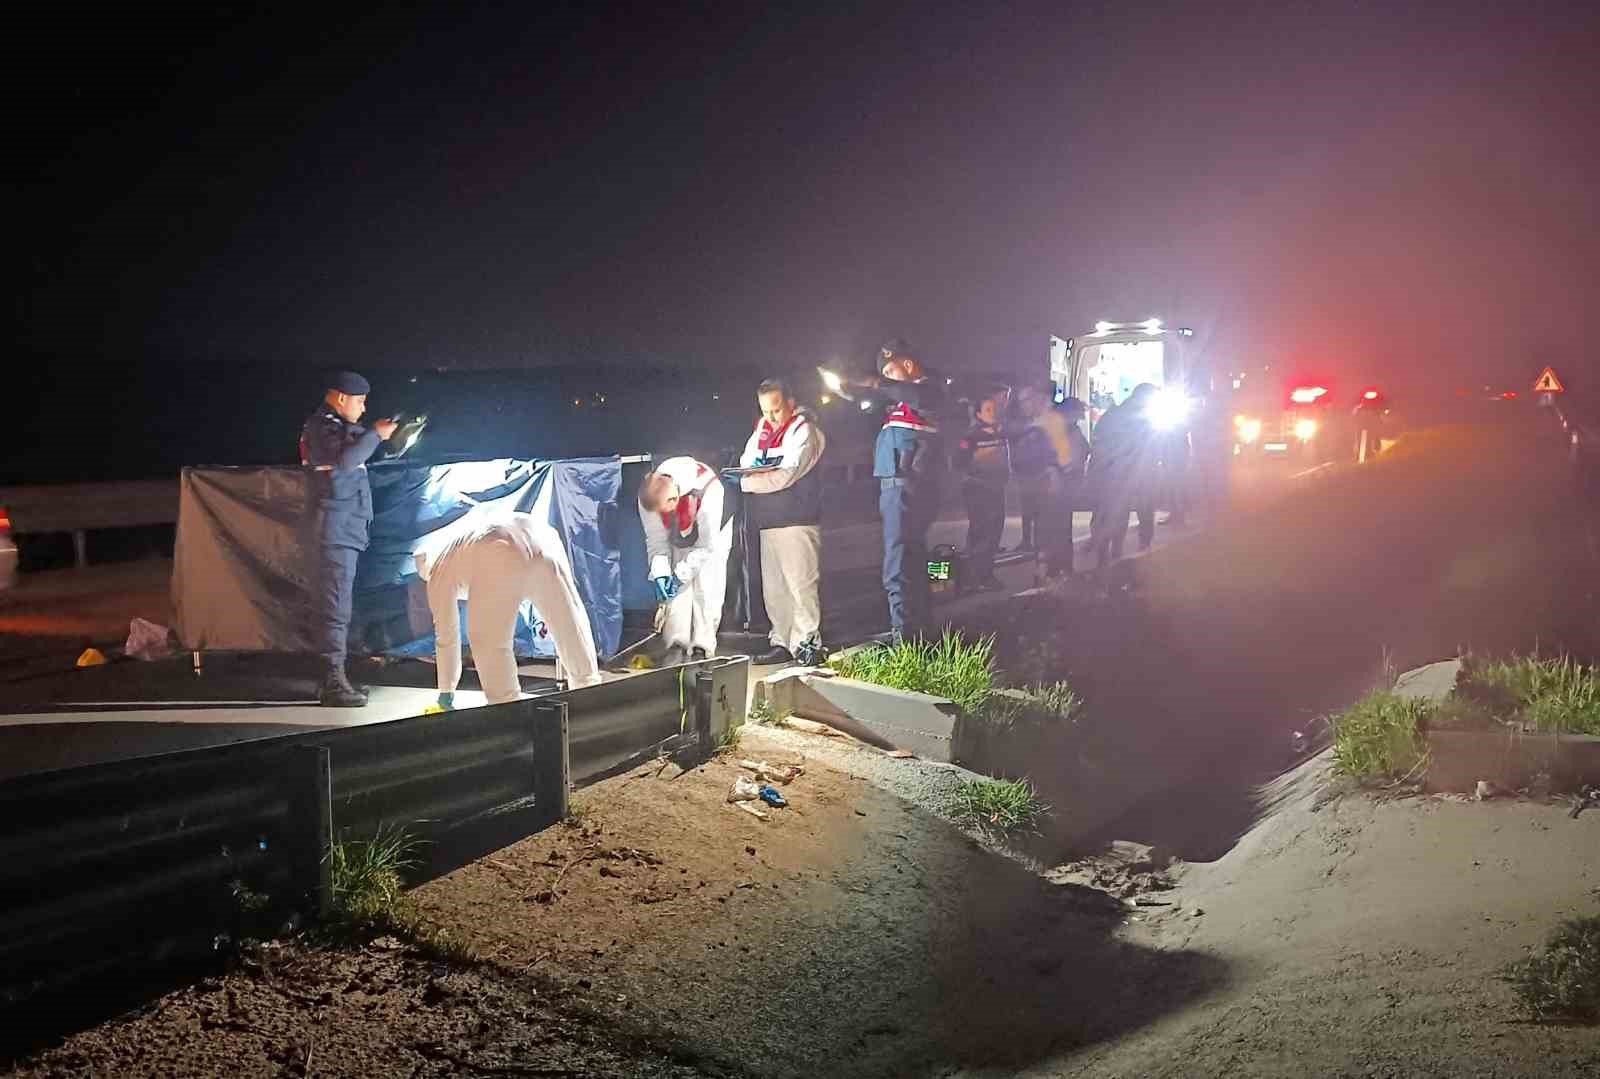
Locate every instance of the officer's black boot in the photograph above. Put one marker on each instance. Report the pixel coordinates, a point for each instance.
(337, 692)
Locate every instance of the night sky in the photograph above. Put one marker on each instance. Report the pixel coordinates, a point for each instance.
(1377, 190)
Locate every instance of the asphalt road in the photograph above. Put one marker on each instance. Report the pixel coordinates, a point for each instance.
(133, 709)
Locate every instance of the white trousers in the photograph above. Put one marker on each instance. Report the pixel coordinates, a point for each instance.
(695, 613)
(497, 577)
(790, 569)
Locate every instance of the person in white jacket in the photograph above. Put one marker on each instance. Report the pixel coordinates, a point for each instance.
(784, 501)
(687, 536)
(495, 565)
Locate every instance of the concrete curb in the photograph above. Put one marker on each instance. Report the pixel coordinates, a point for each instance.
(887, 718)
(1509, 758)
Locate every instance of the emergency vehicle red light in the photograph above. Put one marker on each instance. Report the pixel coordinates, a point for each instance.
(1509, 395)
(1370, 395)
(1305, 395)
(5, 521)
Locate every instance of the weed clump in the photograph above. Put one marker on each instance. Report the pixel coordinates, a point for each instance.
(1381, 736)
(369, 900)
(1000, 805)
(1562, 981)
(1559, 694)
(950, 667)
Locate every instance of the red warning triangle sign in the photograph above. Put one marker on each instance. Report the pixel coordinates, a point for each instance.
(1548, 382)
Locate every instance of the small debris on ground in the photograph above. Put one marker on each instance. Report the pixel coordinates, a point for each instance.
(780, 773)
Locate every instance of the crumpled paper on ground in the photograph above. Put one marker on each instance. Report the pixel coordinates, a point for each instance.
(147, 641)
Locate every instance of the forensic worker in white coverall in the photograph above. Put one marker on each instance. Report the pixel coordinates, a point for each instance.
(783, 498)
(496, 565)
(687, 536)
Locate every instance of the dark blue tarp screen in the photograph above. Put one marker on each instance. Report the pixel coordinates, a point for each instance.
(240, 574)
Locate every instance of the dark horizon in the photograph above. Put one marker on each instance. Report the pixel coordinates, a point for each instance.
(1394, 196)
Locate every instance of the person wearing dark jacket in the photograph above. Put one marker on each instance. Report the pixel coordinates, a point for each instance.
(908, 461)
(1119, 474)
(1074, 474)
(983, 461)
(335, 448)
(1049, 463)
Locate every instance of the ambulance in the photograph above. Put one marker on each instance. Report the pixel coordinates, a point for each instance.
(1103, 366)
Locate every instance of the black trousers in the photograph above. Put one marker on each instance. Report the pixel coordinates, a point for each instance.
(332, 588)
(1109, 530)
(986, 520)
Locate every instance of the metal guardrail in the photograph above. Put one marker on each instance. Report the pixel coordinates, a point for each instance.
(74, 507)
(78, 508)
(133, 863)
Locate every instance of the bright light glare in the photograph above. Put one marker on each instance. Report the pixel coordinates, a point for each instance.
(1167, 408)
(1370, 395)
(1305, 430)
(1248, 428)
(1102, 327)
(826, 399)
(834, 383)
(866, 406)
(1305, 395)
(1152, 325)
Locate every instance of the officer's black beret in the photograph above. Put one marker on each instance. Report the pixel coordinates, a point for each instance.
(349, 382)
(894, 348)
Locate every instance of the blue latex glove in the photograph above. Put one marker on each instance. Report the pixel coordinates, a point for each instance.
(666, 588)
(447, 701)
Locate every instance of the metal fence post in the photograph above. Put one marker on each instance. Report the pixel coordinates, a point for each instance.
(552, 763)
(311, 817)
(703, 685)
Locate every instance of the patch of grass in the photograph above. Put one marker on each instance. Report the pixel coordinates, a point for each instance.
(762, 713)
(1056, 701)
(1551, 694)
(1000, 805)
(1047, 707)
(951, 667)
(1464, 714)
(1563, 980)
(1381, 736)
(368, 875)
(729, 740)
(369, 896)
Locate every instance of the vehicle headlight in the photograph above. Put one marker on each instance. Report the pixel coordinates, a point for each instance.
(1248, 428)
(1305, 430)
(1167, 408)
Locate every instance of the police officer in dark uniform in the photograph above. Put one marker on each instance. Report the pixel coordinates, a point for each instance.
(335, 448)
(908, 461)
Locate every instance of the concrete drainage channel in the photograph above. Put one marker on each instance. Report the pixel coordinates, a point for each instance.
(933, 730)
(948, 747)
